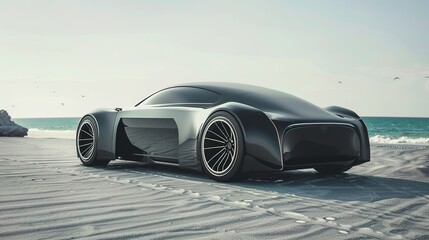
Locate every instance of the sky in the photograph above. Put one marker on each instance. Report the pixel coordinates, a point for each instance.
(67, 58)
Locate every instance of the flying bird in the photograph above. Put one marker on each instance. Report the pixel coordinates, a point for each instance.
(62, 104)
(427, 77)
(82, 96)
(339, 82)
(396, 78)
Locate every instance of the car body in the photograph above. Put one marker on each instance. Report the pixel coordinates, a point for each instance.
(251, 129)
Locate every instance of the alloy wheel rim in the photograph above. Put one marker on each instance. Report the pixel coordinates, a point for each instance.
(86, 141)
(219, 146)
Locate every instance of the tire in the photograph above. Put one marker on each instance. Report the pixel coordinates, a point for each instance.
(221, 147)
(333, 169)
(86, 142)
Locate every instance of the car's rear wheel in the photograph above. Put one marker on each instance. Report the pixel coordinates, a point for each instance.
(221, 147)
(86, 142)
(332, 169)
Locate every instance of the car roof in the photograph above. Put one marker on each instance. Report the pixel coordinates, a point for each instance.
(226, 88)
(262, 98)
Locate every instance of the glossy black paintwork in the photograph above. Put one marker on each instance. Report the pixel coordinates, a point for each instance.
(105, 119)
(168, 132)
(260, 134)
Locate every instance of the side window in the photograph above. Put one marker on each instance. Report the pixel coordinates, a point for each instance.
(182, 95)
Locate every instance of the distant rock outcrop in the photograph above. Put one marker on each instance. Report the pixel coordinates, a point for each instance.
(10, 129)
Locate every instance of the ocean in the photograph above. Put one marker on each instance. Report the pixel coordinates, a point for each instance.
(384, 130)
(398, 130)
(49, 127)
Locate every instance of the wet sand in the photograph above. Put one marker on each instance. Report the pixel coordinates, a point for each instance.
(47, 194)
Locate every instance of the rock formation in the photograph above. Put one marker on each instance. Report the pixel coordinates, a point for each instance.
(8, 128)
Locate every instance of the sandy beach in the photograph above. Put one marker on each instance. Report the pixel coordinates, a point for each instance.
(47, 194)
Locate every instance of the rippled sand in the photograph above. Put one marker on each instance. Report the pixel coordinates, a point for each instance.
(45, 193)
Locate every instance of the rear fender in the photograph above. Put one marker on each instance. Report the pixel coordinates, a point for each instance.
(342, 112)
(262, 144)
(365, 155)
(361, 128)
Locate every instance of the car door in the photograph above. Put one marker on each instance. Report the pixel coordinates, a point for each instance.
(166, 126)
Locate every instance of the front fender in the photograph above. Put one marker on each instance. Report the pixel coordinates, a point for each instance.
(262, 144)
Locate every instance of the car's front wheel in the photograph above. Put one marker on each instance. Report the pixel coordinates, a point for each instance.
(221, 147)
(86, 142)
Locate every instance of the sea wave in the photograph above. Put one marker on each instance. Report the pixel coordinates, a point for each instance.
(41, 133)
(398, 140)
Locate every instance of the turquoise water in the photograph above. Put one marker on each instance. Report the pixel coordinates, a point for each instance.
(397, 127)
(398, 130)
(52, 124)
(380, 129)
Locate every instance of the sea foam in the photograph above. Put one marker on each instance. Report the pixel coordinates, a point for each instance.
(41, 133)
(399, 140)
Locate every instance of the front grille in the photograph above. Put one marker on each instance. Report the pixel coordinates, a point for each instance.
(305, 144)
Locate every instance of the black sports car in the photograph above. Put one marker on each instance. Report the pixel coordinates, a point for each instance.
(227, 130)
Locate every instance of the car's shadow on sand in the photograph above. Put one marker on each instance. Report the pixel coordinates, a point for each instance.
(305, 183)
(344, 187)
